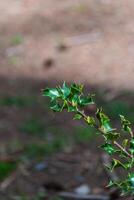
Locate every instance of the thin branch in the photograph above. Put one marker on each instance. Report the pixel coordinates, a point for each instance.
(72, 196)
(100, 130)
(123, 149)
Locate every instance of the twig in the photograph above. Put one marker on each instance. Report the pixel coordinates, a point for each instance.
(123, 149)
(72, 196)
(83, 39)
(8, 180)
(101, 131)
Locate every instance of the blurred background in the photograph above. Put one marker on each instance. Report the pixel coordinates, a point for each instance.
(43, 43)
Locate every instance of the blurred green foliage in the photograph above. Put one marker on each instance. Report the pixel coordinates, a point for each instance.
(6, 168)
(16, 39)
(33, 126)
(18, 101)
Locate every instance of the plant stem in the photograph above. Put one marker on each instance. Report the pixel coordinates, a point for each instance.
(100, 130)
(123, 149)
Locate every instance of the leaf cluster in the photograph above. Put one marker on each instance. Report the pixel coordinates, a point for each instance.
(72, 99)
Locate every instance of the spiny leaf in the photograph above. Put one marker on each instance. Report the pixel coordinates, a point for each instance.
(116, 163)
(132, 146)
(110, 184)
(108, 148)
(76, 88)
(71, 108)
(65, 90)
(104, 121)
(125, 124)
(77, 116)
(75, 100)
(86, 100)
(112, 136)
(51, 92)
(125, 143)
(131, 178)
(90, 120)
(56, 107)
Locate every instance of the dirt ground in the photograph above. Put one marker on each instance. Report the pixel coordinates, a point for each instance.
(98, 35)
(44, 42)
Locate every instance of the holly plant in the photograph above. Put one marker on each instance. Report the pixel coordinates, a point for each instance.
(119, 147)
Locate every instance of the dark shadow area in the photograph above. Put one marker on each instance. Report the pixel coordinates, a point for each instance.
(42, 152)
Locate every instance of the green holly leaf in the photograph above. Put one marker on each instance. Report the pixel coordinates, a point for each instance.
(116, 163)
(125, 124)
(110, 184)
(65, 90)
(56, 107)
(104, 121)
(132, 146)
(51, 92)
(131, 179)
(76, 88)
(127, 165)
(71, 108)
(107, 147)
(90, 120)
(84, 101)
(112, 136)
(125, 143)
(77, 116)
(75, 100)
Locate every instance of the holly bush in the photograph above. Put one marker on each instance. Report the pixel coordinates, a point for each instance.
(119, 146)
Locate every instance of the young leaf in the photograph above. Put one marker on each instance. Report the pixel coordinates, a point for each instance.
(71, 108)
(104, 121)
(75, 100)
(76, 89)
(90, 120)
(131, 179)
(132, 146)
(112, 136)
(125, 143)
(116, 163)
(108, 148)
(125, 124)
(110, 184)
(77, 116)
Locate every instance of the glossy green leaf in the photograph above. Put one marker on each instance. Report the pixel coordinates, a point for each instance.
(77, 116)
(75, 100)
(51, 92)
(131, 179)
(125, 124)
(116, 163)
(109, 148)
(111, 184)
(76, 88)
(90, 120)
(112, 136)
(132, 146)
(56, 107)
(84, 101)
(65, 90)
(104, 121)
(71, 108)
(125, 143)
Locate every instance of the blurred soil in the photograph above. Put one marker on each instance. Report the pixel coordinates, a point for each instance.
(32, 32)
(43, 43)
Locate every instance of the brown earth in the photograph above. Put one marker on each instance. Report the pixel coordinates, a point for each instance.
(48, 41)
(102, 56)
